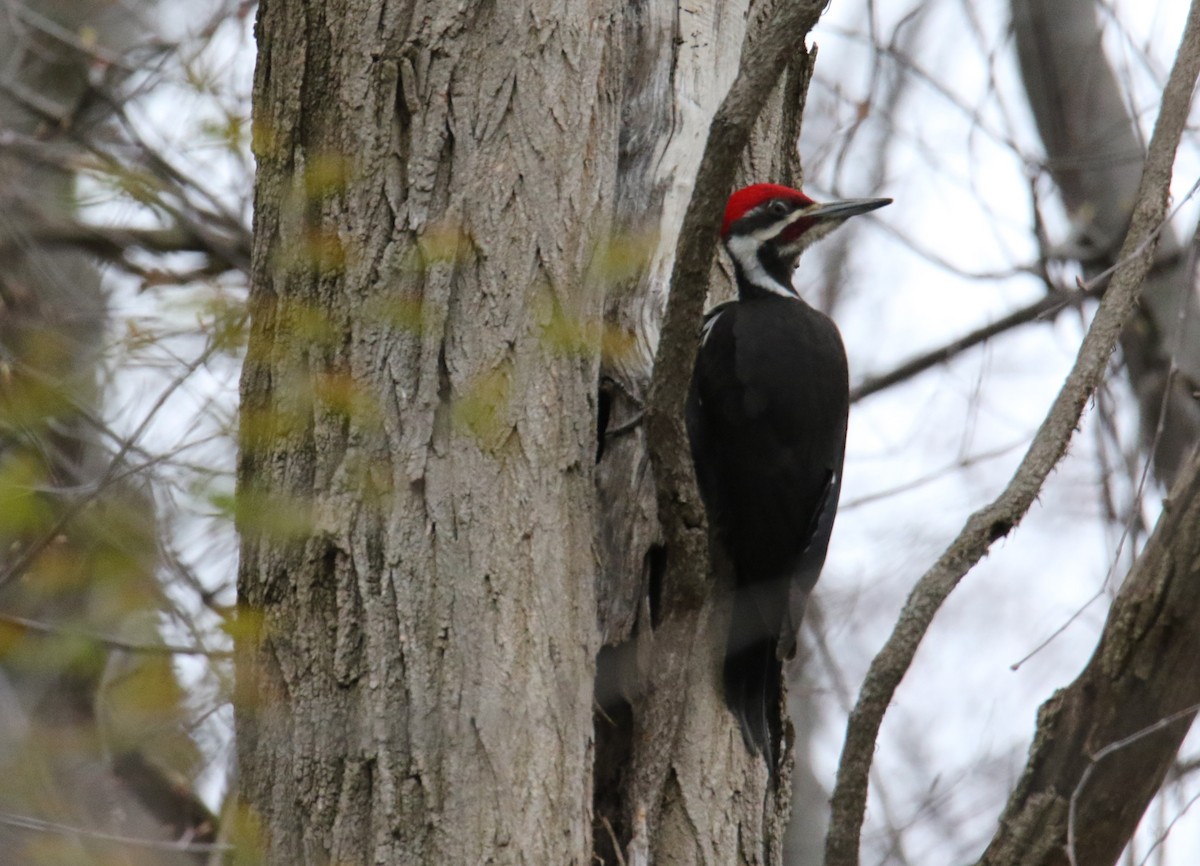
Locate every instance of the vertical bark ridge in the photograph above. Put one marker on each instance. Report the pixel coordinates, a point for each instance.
(427, 207)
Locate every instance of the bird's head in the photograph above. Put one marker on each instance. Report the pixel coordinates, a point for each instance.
(768, 226)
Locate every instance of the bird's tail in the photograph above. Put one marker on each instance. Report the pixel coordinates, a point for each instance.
(753, 677)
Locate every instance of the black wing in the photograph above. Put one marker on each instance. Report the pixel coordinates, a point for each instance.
(767, 422)
(767, 418)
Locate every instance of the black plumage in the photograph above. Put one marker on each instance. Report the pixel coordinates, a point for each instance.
(766, 417)
(769, 401)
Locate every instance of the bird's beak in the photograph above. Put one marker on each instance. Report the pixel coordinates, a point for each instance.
(843, 209)
(810, 224)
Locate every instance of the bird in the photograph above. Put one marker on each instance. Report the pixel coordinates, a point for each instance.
(766, 417)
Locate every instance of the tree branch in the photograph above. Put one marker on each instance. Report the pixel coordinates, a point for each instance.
(1093, 152)
(1047, 307)
(108, 641)
(1105, 743)
(695, 784)
(29, 822)
(997, 519)
(113, 243)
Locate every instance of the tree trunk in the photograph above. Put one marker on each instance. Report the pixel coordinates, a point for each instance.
(674, 782)
(434, 188)
(1104, 744)
(459, 213)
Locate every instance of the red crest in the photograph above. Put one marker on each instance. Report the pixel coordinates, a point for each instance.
(748, 198)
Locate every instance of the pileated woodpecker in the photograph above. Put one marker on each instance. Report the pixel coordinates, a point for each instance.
(766, 416)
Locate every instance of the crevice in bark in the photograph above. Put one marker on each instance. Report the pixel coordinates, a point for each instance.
(656, 569)
(614, 750)
(604, 400)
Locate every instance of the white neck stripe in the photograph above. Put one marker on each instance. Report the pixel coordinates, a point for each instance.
(743, 249)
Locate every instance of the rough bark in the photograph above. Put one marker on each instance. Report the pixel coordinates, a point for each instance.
(1105, 743)
(679, 60)
(434, 189)
(1094, 153)
(418, 431)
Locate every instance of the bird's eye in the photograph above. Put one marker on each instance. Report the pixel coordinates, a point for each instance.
(778, 208)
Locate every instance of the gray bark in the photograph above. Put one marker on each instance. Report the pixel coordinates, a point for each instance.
(439, 234)
(1105, 743)
(687, 791)
(419, 391)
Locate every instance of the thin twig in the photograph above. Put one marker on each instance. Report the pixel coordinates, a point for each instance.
(112, 243)
(30, 553)
(27, 822)
(1166, 831)
(110, 641)
(612, 836)
(1045, 308)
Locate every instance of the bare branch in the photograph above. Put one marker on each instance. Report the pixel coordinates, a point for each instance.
(1124, 743)
(1045, 308)
(683, 642)
(1105, 743)
(1049, 444)
(114, 242)
(28, 822)
(1093, 153)
(110, 641)
(30, 552)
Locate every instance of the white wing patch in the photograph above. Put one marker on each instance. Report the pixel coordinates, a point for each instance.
(706, 330)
